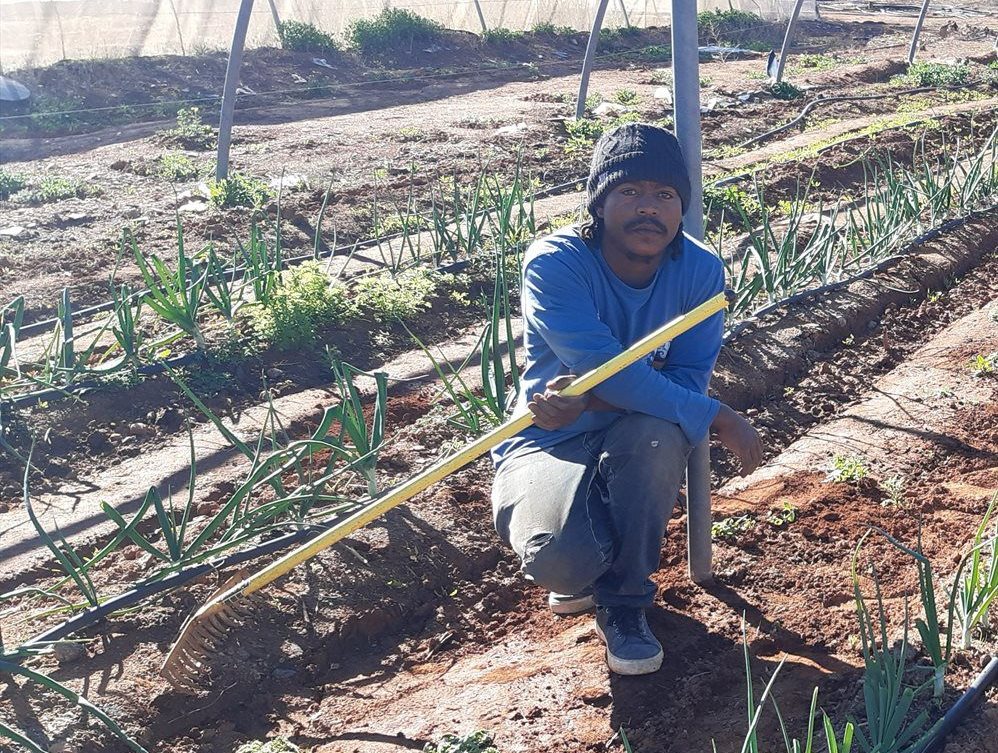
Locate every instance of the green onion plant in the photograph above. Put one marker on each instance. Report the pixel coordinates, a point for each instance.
(358, 437)
(977, 590)
(928, 628)
(11, 318)
(887, 698)
(175, 295)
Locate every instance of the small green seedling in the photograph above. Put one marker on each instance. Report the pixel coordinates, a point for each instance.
(894, 488)
(277, 745)
(627, 97)
(847, 469)
(476, 742)
(984, 365)
(728, 529)
(782, 516)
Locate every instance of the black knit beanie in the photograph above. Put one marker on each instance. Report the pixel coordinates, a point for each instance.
(636, 151)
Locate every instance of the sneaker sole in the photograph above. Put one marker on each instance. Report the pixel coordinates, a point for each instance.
(631, 666)
(575, 606)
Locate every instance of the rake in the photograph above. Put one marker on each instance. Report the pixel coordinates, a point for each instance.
(204, 631)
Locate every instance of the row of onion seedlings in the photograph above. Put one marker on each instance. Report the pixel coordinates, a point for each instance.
(812, 246)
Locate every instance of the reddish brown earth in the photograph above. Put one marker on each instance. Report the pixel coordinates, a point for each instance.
(423, 626)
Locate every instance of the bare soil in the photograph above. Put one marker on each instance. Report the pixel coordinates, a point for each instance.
(421, 625)
(383, 145)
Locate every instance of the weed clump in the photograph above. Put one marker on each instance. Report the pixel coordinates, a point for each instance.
(55, 188)
(399, 297)
(584, 132)
(501, 35)
(477, 742)
(238, 191)
(305, 37)
(10, 183)
(276, 745)
(933, 74)
(717, 26)
(303, 301)
(392, 31)
(627, 97)
(653, 53)
(847, 469)
(729, 529)
(190, 132)
(785, 90)
(176, 167)
(546, 27)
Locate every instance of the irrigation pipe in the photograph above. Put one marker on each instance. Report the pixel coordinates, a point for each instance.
(92, 615)
(956, 713)
(829, 100)
(237, 273)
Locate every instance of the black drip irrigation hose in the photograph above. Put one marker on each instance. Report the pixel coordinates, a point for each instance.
(830, 100)
(237, 273)
(758, 314)
(959, 710)
(93, 615)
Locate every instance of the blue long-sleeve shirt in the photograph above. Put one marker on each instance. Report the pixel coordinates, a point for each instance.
(577, 314)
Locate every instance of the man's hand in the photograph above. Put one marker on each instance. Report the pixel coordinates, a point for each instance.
(553, 411)
(739, 436)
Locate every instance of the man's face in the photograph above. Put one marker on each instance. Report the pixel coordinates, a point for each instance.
(640, 219)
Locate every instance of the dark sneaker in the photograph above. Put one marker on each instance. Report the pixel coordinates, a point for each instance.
(631, 649)
(566, 604)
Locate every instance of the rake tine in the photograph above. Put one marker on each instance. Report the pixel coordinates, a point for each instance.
(201, 635)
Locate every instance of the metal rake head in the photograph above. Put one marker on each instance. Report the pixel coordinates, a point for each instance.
(203, 634)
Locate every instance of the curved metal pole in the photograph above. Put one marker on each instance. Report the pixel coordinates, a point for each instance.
(787, 38)
(587, 62)
(686, 95)
(481, 16)
(623, 9)
(229, 89)
(276, 16)
(918, 31)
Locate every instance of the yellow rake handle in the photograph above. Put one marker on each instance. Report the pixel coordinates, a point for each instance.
(448, 465)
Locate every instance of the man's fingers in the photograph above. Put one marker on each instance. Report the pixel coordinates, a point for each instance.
(560, 383)
(562, 403)
(544, 415)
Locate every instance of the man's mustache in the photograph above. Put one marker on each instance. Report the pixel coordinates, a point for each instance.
(645, 222)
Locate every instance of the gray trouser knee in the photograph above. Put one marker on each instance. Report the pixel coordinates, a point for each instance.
(592, 510)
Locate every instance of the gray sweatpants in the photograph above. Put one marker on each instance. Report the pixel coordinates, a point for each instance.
(592, 511)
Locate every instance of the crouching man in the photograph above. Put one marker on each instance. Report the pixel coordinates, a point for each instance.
(583, 497)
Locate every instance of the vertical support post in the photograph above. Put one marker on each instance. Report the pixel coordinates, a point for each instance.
(787, 39)
(918, 30)
(229, 89)
(623, 9)
(180, 31)
(686, 95)
(481, 16)
(276, 16)
(587, 62)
